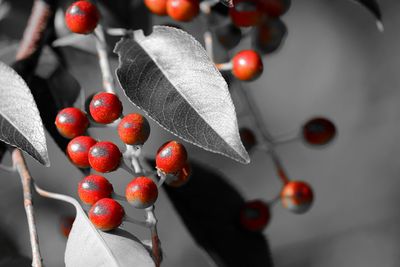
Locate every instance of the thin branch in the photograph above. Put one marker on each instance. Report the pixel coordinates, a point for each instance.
(26, 181)
(208, 41)
(155, 241)
(104, 62)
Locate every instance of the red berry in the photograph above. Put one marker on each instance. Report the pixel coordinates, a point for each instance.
(66, 225)
(78, 150)
(94, 187)
(183, 10)
(247, 65)
(82, 17)
(248, 138)
(297, 196)
(171, 157)
(141, 192)
(254, 215)
(269, 35)
(274, 8)
(319, 131)
(106, 214)
(104, 157)
(158, 7)
(71, 122)
(105, 107)
(134, 129)
(245, 13)
(180, 178)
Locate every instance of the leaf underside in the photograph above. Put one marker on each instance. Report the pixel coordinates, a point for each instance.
(169, 76)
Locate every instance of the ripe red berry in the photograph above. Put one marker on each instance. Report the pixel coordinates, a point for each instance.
(268, 35)
(319, 131)
(245, 13)
(171, 157)
(82, 17)
(228, 35)
(247, 65)
(254, 215)
(274, 8)
(158, 7)
(141, 192)
(66, 225)
(134, 129)
(297, 196)
(248, 138)
(104, 157)
(180, 178)
(105, 107)
(78, 150)
(183, 10)
(71, 122)
(94, 187)
(106, 214)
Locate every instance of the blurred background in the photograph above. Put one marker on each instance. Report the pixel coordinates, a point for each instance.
(334, 63)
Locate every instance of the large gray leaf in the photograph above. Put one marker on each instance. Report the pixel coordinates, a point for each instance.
(169, 75)
(89, 247)
(20, 123)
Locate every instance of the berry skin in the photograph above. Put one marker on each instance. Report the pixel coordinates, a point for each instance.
(245, 13)
(105, 107)
(269, 35)
(247, 65)
(66, 225)
(141, 192)
(71, 122)
(158, 7)
(254, 216)
(297, 197)
(82, 17)
(248, 138)
(183, 10)
(228, 36)
(180, 178)
(319, 131)
(78, 150)
(171, 157)
(104, 157)
(134, 129)
(106, 214)
(274, 8)
(94, 187)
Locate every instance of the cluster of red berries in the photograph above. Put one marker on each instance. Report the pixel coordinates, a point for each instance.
(104, 156)
(180, 10)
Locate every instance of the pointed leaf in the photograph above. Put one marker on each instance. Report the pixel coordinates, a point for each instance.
(20, 121)
(373, 7)
(89, 247)
(169, 75)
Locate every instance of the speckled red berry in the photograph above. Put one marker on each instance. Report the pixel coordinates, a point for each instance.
(158, 7)
(71, 122)
(247, 65)
(66, 225)
(106, 214)
(183, 10)
(245, 13)
(274, 8)
(180, 178)
(141, 192)
(319, 131)
(248, 138)
(171, 157)
(255, 215)
(94, 187)
(82, 17)
(78, 150)
(105, 107)
(297, 196)
(134, 129)
(104, 156)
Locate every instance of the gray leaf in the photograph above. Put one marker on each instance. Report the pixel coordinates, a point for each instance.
(20, 123)
(169, 75)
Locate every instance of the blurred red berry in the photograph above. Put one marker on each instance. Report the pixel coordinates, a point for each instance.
(141, 192)
(180, 178)
(247, 65)
(134, 129)
(78, 150)
(268, 35)
(255, 215)
(158, 7)
(105, 107)
(106, 214)
(183, 10)
(82, 17)
(104, 156)
(297, 197)
(94, 187)
(274, 8)
(171, 157)
(245, 13)
(66, 225)
(319, 131)
(71, 122)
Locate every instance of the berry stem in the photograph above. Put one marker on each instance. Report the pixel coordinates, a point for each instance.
(116, 31)
(227, 66)
(208, 42)
(162, 179)
(155, 241)
(26, 180)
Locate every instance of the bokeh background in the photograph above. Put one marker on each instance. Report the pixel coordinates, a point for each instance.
(333, 63)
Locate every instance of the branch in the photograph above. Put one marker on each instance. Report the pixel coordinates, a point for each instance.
(104, 62)
(26, 180)
(155, 241)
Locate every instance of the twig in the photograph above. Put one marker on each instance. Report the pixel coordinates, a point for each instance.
(26, 181)
(101, 45)
(208, 41)
(155, 241)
